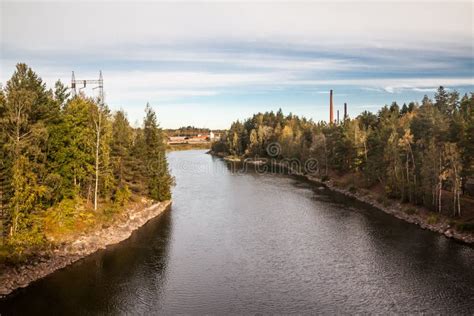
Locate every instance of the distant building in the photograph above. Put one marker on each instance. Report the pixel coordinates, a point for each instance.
(214, 136)
(177, 140)
(200, 138)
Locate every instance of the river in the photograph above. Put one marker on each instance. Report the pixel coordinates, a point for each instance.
(243, 242)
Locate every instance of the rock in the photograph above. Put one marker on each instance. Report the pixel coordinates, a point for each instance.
(448, 233)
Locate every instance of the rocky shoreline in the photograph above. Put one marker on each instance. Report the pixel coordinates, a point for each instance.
(396, 209)
(12, 278)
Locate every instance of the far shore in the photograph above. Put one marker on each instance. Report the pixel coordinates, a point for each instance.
(188, 146)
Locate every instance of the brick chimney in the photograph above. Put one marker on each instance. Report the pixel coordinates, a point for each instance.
(345, 111)
(331, 109)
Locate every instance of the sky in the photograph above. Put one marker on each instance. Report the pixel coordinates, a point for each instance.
(208, 63)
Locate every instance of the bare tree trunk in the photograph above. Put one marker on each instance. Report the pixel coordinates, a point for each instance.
(440, 188)
(454, 197)
(433, 196)
(459, 203)
(97, 147)
(15, 220)
(365, 151)
(89, 190)
(407, 165)
(413, 171)
(325, 157)
(457, 186)
(440, 185)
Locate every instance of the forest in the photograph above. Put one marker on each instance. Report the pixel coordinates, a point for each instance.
(420, 153)
(68, 163)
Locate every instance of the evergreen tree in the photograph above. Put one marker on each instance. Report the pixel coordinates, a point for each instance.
(60, 156)
(121, 145)
(27, 110)
(159, 179)
(416, 153)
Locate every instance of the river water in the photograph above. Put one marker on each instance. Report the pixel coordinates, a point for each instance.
(246, 243)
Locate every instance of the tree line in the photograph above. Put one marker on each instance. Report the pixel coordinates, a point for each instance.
(64, 160)
(419, 153)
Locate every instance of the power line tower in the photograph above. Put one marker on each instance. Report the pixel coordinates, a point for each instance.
(99, 84)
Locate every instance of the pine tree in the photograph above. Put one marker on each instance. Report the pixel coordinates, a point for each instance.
(72, 147)
(159, 179)
(121, 145)
(28, 108)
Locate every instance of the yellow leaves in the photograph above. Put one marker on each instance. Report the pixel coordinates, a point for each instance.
(406, 139)
(287, 133)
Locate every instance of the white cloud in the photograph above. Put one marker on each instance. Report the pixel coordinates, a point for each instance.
(177, 53)
(108, 26)
(391, 84)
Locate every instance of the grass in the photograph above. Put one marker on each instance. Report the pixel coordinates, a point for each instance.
(433, 219)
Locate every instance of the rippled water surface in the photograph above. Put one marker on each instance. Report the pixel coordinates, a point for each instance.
(250, 243)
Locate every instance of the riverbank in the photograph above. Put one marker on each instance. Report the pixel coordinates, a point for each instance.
(407, 212)
(410, 213)
(188, 146)
(14, 277)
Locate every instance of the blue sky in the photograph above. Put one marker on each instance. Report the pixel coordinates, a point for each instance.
(208, 63)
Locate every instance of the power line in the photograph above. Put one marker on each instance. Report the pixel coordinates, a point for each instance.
(99, 84)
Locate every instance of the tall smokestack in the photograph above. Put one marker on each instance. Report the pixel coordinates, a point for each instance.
(337, 116)
(345, 110)
(331, 109)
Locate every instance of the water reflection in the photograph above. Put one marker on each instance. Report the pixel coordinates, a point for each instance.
(245, 243)
(112, 280)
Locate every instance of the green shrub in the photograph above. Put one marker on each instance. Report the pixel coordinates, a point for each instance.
(433, 218)
(465, 227)
(28, 239)
(325, 178)
(70, 215)
(11, 255)
(122, 196)
(63, 215)
(352, 189)
(411, 211)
